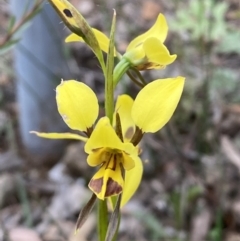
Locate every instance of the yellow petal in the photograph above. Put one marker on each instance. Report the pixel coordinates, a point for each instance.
(132, 180)
(157, 54)
(128, 161)
(105, 136)
(59, 135)
(107, 182)
(97, 157)
(77, 104)
(152, 54)
(135, 55)
(123, 108)
(103, 155)
(102, 39)
(158, 30)
(73, 38)
(156, 102)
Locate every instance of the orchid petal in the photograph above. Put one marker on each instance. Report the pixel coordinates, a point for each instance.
(96, 157)
(132, 181)
(60, 136)
(156, 102)
(107, 182)
(123, 108)
(105, 136)
(157, 54)
(158, 30)
(128, 161)
(77, 104)
(102, 39)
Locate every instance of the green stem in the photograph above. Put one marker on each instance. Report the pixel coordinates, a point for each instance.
(109, 86)
(102, 220)
(109, 100)
(120, 69)
(109, 110)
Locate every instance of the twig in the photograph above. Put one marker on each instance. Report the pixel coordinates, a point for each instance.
(24, 19)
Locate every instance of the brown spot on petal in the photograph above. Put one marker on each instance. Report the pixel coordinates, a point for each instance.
(96, 185)
(68, 13)
(129, 133)
(149, 65)
(113, 188)
(96, 149)
(119, 127)
(137, 136)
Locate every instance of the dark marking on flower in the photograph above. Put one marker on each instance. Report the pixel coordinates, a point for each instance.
(113, 188)
(149, 65)
(89, 131)
(68, 13)
(96, 149)
(112, 162)
(118, 127)
(137, 136)
(129, 133)
(107, 156)
(96, 184)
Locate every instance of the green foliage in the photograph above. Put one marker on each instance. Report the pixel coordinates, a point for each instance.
(205, 19)
(216, 232)
(224, 83)
(181, 200)
(229, 42)
(156, 230)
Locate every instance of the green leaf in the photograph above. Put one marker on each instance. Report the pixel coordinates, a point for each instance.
(83, 215)
(8, 46)
(11, 23)
(114, 221)
(19, 32)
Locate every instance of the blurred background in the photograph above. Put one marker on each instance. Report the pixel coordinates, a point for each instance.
(191, 184)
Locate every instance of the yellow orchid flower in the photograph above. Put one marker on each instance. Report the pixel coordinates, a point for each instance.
(115, 154)
(146, 51)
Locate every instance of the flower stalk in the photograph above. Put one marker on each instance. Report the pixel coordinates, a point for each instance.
(102, 224)
(121, 68)
(109, 110)
(109, 87)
